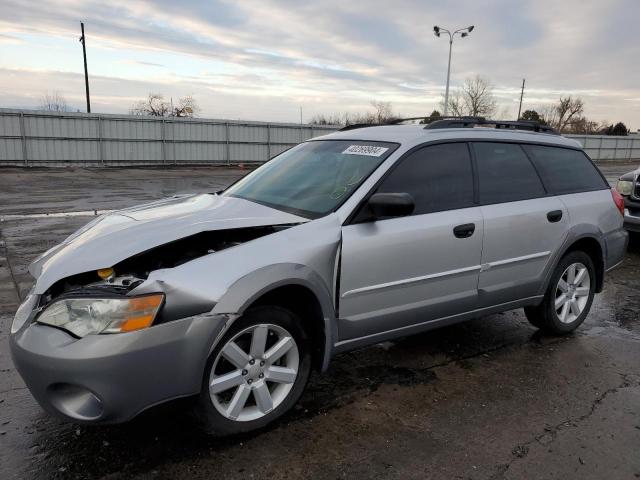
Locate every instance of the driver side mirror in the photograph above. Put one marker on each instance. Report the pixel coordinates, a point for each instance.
(385, 205)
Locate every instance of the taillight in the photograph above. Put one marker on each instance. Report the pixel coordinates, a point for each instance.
(618, 200)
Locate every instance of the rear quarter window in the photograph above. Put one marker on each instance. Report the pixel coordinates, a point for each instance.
(564, 170)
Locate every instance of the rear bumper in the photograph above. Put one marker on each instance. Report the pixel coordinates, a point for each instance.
(616, 247)
(112, 378)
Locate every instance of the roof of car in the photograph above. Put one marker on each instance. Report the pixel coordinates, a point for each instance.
(414, 134)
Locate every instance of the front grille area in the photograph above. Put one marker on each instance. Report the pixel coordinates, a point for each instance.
(636, 190)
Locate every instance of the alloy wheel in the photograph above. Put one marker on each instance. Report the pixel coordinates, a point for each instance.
(572, 292)
(254, 372)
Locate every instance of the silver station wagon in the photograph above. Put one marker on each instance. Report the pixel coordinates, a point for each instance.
(354, 238)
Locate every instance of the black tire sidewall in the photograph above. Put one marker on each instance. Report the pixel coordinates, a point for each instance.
(208, 416)
(570, 258)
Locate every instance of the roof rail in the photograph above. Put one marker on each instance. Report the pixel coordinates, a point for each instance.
(398, 121)
(358, 125)
(426, 119)
(470, 122)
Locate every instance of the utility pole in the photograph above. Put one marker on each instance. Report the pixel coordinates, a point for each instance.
(86, 73)
(521, 95)
(300, 115)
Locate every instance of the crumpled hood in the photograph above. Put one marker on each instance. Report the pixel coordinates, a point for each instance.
(113, 237)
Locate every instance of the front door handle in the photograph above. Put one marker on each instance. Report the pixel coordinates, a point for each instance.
(464, 231)
(554, 216)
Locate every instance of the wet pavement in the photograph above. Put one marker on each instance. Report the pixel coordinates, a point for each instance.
(487, 399)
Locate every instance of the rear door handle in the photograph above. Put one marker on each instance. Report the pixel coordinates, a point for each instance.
(464, 231)
(554, 216)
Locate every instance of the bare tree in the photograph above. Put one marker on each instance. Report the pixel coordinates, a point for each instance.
(456, 104)
(156, 106)
(321, 119)
(548, 114)
(186, 107)
(477, 95)
(583, 125)
(53, 102)
(568, 109)
(474, 98)
(566, 115)
(382, 113)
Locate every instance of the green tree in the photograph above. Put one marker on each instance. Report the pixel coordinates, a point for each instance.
(619, 129)
(435, 115)
(532, 116)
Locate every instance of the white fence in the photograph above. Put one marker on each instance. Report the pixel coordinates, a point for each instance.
(604, 148)
(33, 138)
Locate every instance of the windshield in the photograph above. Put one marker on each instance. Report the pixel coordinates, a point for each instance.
(313, 178)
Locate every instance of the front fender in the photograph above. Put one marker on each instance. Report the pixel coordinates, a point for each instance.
(246, 290)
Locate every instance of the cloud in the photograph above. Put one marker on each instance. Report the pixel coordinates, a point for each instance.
(140, 62)
(332, 54)
(10, 40)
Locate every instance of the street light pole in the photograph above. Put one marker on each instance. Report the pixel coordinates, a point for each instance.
(463, 32)
(446, 92)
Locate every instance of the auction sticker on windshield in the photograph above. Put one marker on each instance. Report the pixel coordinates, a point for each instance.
(368, 150)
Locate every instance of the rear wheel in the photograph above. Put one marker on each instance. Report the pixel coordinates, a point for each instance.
(569, 295)
(256, 372)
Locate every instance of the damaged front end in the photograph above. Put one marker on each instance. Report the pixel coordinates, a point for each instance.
(109, 289)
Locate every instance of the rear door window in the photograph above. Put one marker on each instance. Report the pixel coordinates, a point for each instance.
(565, 171)
(505, 174)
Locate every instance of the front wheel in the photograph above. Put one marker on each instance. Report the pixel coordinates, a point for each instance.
(569, 295)
(256, 373)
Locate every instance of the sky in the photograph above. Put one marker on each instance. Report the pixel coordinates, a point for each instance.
(266, 60)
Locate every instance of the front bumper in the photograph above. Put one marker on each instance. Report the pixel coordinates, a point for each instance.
(111, 378)
(631, 222)
(632, 215)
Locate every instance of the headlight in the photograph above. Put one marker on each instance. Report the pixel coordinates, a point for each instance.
(624, 187)
(85, 316)
(23, 312)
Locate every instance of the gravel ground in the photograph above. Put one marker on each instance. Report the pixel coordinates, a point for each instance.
(487, 399)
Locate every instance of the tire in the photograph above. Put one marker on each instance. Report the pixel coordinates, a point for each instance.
(574, 298)
(258, 385)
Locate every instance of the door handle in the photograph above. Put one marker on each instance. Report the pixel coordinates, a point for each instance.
(464, 231)
(554, 216)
